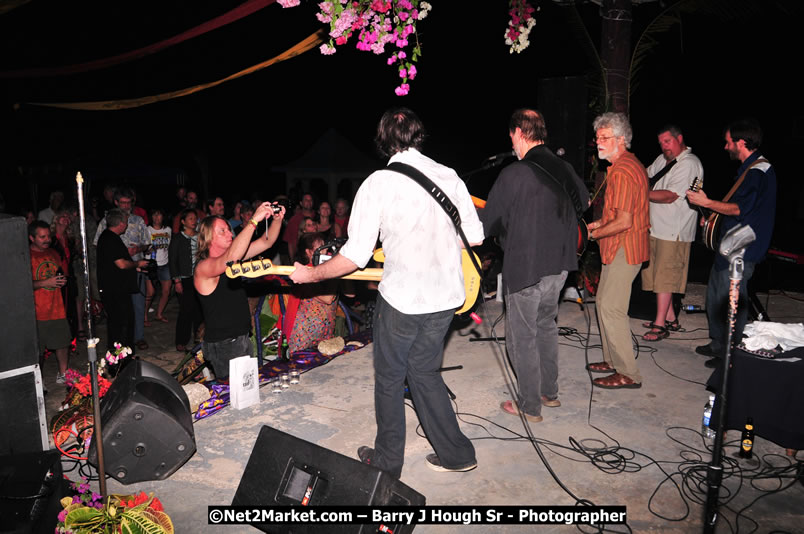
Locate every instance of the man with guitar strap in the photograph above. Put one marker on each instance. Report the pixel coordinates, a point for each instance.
(532, 209)
(672, 227)
(752, 202)
(420, 290)
(623, 235)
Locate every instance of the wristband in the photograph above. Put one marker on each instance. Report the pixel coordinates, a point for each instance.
(252, 221)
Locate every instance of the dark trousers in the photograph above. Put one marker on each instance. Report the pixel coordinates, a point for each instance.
(119, 318)
(411, 346)
(717, 307)
(190, 316)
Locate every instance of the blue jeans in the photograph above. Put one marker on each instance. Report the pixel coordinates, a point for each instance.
(531, 340)
(138, 301)
(717, 307)
(412, 347)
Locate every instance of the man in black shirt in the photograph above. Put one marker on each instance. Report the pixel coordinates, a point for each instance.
(534, 208)
(117, 279)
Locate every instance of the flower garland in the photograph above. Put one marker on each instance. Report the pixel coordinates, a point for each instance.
(377, 23)
(522, 21)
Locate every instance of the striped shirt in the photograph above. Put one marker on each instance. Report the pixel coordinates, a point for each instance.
(627, 190)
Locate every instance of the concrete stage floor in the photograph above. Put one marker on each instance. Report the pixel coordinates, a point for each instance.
(653, 433)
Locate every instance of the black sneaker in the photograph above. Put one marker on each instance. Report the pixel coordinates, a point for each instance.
(434, 463)
(366, 454)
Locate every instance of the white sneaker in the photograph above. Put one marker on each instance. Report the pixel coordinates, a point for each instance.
(60, 379)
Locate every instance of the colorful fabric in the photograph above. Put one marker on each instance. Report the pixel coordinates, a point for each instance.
(48, 301)
(627, 190)
(306, 44)
(302, 361)
(233, 15)
(315, 322)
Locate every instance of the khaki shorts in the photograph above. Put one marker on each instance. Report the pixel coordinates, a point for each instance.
(54, 334)
(667, 270)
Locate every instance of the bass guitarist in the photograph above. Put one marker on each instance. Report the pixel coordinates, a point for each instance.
(420, 290)
(753, 203)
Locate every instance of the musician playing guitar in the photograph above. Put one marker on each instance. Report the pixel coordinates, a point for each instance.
(752, 203)
(420, 290)
(672, 227)
(531, 209)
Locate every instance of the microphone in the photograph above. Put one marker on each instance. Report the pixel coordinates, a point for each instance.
(500, 156)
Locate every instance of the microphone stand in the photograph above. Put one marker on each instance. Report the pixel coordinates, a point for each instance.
(744, 236)
(92, 341)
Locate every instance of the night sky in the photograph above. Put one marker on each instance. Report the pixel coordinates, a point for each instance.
(703, 73)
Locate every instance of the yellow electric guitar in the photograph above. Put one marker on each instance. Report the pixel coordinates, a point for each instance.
(263, 267)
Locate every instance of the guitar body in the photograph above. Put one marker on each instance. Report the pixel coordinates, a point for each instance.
(471, 280)
(583, 237)
(711, 231)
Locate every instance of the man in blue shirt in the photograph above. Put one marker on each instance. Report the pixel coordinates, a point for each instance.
(753, 204)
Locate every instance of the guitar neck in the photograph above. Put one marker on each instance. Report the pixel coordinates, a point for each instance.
(369, 275)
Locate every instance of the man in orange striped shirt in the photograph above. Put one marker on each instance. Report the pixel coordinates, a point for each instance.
(623, 235)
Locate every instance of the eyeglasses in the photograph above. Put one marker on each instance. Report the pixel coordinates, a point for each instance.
(604, 138)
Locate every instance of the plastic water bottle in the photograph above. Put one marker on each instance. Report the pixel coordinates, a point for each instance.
(707, 432)
(692, 308)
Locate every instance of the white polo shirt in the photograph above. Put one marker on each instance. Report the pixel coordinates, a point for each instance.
(422, 270)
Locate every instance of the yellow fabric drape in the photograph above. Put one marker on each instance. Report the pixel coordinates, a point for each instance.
(107, 105)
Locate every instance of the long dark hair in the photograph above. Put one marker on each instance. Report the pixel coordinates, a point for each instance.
(306, 241)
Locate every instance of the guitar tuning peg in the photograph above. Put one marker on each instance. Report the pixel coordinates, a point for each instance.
(246, 268)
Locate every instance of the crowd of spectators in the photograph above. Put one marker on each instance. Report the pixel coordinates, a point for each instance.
(139, 259)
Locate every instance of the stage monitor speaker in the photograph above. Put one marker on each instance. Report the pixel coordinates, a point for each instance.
(286, 470)
(22, 416)
(31, 486)
(562, 101)
(20, 346)
(146, 423)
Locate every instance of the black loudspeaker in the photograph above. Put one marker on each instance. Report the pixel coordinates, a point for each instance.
(562, 101)
(31, 486)
(20, 346)
(286, 470)
(643, 303)
(146, 423)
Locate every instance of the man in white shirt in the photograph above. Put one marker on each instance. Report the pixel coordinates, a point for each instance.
(672, 228)
(420, 290)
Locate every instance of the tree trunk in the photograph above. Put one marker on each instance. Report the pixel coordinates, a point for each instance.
(615, 51)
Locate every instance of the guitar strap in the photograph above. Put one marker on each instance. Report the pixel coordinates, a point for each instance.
(741, 178)
(420, 178)
(658, 176)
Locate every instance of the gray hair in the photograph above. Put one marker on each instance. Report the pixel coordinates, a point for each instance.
(618, 122)
(114, 217)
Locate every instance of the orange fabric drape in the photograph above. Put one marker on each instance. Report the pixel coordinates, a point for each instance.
(108, 105)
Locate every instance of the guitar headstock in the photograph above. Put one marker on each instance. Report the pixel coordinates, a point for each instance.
(696, 184)
(249, 269)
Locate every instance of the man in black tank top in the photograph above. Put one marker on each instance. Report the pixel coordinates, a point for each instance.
(223, 300)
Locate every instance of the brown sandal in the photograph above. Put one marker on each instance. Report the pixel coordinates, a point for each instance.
(616, 381)
(656, 333)
(600, 367)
